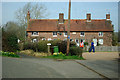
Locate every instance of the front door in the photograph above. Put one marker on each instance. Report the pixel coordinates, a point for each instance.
(95, 42)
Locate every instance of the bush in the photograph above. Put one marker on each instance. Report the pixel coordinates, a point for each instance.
(28, 45)
(41, 46)
(9, 42)
(85, 43)
(62, 45)
(76, 51)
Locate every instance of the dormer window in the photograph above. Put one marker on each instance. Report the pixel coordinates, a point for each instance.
(34, 33)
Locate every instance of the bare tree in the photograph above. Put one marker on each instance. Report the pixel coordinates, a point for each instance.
(37, 11)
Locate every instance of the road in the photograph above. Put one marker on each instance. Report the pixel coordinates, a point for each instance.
(31, 67)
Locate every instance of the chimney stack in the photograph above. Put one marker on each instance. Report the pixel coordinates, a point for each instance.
(61, 18)
(28, 18)
(107, 16)
(88, 17)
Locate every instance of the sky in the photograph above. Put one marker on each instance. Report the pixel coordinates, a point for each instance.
(79, 10)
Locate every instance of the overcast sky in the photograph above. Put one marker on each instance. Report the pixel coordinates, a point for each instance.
(98, 10)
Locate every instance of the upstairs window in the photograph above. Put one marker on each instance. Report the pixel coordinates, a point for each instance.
(54, 34)
(73, 32)
(82, 34)
(100, 34)
(34, 33)
(65, 34)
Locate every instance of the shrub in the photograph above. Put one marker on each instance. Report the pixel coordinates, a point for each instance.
(62, 45)
(28, 45)
(42, 46)
(28, 52)
(85, 43)
(76, 51)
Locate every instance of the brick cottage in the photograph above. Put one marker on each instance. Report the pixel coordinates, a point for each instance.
(99, 30)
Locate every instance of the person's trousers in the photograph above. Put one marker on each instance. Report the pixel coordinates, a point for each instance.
(92, 47)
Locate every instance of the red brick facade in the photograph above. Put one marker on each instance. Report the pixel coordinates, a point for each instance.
(91, 29)
(88, 36)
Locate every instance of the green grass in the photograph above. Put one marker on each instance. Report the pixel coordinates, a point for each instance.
(64, 57)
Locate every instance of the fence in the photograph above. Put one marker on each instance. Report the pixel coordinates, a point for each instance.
(105, 48)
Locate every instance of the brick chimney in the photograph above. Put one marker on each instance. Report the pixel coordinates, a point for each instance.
(61, 18)
(88, 17)
(107, 16)
(28, 18)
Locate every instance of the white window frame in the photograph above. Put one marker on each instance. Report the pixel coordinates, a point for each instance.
(101, 34)
(61, 23)
(54, 35)
(71, 40)
(83, 40)
(100, 41)
(34, 40)
(81, 34)
(43, 38)
(49, 39)
(33, 34)
(76, 42)
(77, 39)
(65, 39)
(73, 32)
(65, 34)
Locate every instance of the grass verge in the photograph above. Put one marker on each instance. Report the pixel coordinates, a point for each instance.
(63, 57)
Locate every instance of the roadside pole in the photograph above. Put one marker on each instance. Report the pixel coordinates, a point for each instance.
(68, 30)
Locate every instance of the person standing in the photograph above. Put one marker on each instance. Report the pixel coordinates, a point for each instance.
(92, 47)
(81, 44)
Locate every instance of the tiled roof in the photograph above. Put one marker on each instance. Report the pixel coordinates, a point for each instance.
(75, 25)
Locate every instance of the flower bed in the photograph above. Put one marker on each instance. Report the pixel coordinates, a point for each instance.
(9, 54)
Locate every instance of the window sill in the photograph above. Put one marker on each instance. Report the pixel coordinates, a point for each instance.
(82, 35)
(55, 36)
(34, 35)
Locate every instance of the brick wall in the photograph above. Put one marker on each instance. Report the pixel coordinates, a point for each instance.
(107, 36)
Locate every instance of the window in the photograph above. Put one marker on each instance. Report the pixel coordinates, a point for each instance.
(54, 34)
(100, 41)
(34, 33)
(100, 34)
(71, 40)
(34, 40)
(83, 40)
(43, 39)
(76, 40)
(82, 34)
(73, 32)
(65, 34)
(65, 40)
(49, 39)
